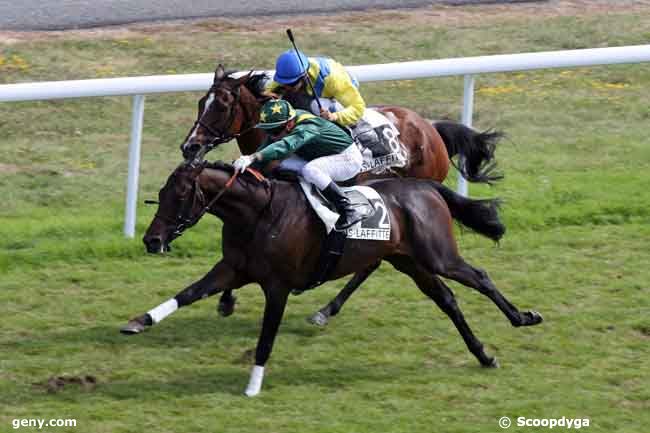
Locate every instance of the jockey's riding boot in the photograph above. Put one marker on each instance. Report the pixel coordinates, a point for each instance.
(348, 215)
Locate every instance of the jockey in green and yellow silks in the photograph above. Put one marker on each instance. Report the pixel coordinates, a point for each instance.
(337, 90)
(312, 147)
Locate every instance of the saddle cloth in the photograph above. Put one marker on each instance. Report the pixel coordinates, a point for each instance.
(379, 142)
(375, 225)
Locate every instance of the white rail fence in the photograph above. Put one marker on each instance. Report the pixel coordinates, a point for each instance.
(468, 67)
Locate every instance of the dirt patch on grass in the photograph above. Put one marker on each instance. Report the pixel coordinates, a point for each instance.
(57, 383)
(643, 330)
(9, 169)
(439, 15)
(246, 358)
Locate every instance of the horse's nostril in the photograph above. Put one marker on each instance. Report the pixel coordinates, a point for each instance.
(190, 149)
(153, 244)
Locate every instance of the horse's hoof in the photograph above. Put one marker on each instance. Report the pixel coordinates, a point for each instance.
(528, 318)
(533, 318)
(251, 393)
(318, 319)
(226, 309)
(493, 363)
(132, 328)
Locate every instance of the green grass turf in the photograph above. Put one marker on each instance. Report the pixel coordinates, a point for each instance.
(576, 204)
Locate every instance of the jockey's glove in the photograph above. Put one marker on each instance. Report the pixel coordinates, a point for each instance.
(244, 161)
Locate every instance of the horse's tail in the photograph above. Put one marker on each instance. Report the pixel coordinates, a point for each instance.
(477, 149)
(482, 215)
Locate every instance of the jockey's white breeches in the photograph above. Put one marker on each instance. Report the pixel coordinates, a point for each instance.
(322, 171)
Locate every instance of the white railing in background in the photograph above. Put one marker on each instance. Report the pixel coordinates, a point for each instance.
(468, 67)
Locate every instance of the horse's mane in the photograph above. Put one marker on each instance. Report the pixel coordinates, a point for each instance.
(250, 181)
(230, 169)
(255, 84)
(220, 165)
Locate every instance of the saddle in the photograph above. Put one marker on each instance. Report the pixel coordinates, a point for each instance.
(378, 140)
(374, 226)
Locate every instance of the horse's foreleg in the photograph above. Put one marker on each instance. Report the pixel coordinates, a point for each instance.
(321, 317)
(276, 300)
(221, 277)
(478, 279)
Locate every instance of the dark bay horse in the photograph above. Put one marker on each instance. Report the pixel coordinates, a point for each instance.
(230, 110)
(271, 237)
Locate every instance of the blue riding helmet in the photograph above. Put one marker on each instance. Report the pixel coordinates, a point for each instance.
(290, 67)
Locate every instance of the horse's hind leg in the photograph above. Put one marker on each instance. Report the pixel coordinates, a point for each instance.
(478, 279)
(321, 317)
(437, 290)
(226, 305)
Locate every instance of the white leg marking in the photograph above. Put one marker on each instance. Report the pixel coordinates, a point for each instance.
(255, 383)
(163, 310)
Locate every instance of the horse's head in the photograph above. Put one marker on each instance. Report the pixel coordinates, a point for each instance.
(190, 192)
(224, 112)
(180, 202)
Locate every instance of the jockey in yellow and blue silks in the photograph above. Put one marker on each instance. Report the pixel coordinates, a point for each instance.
(337, 90)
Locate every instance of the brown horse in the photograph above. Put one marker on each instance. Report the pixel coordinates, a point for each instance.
(230, 110)
(271, 237)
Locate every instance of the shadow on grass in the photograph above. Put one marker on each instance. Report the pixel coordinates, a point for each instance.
(180, 331)
(230, 381)
(330, 377)
(225, 376)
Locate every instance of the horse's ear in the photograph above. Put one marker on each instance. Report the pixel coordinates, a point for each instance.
(244, 78)
(219, 73)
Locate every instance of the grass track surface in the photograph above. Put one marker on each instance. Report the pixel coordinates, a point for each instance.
(576, 204)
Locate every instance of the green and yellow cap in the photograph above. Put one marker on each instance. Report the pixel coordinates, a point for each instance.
(274, 113)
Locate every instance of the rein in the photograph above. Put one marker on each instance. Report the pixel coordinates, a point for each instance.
(182, 222)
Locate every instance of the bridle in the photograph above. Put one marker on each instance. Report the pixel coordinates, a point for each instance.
(220, 136)
(184, 218)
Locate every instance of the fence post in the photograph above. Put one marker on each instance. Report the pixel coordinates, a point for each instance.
(134, 165)
(468, 108)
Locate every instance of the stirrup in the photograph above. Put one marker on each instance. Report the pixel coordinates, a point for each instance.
(347, 223)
